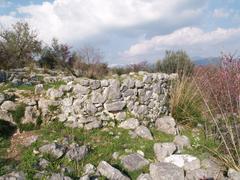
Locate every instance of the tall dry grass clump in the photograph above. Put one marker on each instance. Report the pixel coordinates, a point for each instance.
(185, 101)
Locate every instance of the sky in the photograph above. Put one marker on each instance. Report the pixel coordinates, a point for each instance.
(131, 31)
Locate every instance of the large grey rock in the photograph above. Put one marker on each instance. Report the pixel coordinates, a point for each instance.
(98, 98)
(89, 169)
(139, 84)
(104, 83)
(13, 176)
(8, 106)
(114, 90)
(4, 115)
(130, 83)
(2, 98)
(30, 115)
(162, 150)
(143, 132)
(54, 93)
(197, 174)
(144, 177)
(59, 177)
(130, 123)
(93, 125)
(95, 84)
(39, 89)
(134, 162)
(43, 163)
(129, 92)
(90, 108)
(76, 152)
(185, 161)
(233, 174)
(110, 172)
(213, 167)
(54, 149)
(165, 171)
(85, 177)
(84, 82)
(147, 78)
(182, 142)
(166, 124)
(121, 116)
(115, 106)
(80, 90)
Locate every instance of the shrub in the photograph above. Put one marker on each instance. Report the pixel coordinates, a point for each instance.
(88, 62)
(175, 62)
(219, 87)
(18, 46)
(55, 56)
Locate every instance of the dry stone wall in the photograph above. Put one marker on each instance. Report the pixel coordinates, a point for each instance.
(94, 103)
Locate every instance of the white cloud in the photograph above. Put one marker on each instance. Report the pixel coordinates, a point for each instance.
(74, 20)
(191, 39)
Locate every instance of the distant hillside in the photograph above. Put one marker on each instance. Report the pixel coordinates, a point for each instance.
(205, 61)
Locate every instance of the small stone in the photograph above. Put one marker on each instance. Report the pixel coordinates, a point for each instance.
(130, 123)
(140, 152)
(144, 177)
(115, 155)
(54, 149)
(144, 132)
(8, 106)
(13, 176)
(134, 162)
(233, 174)
(59, 177)
(86, 177)
(181, 142)
(104, 83)
(39, 89)
(89, 169)
(43, 163)
(166, 124)
(115, 106)
(84, 82)
(110, 172)
(162, 150)
(121, 116)
(93, 125)
(54, 93)
(185, 161)
(77, 153)
(166, 171)
(197, 174)
(95, 84)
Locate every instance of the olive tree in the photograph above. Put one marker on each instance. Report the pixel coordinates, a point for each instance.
(175, 62)
(18, 46)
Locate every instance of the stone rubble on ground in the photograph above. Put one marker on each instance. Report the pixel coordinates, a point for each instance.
(138, 102)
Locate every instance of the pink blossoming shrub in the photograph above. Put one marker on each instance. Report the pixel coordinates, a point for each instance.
(220, 84)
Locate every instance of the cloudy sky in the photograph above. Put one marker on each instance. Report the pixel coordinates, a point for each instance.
(130, 31)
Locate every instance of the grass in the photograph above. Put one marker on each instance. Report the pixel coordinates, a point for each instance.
(102, 145)
(185, 101)
(54, 85)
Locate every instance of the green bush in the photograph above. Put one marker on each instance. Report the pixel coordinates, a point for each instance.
(175, 62)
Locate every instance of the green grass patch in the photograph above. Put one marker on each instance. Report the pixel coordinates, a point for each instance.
(200, 144)
(102, 144)
(54, 85)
